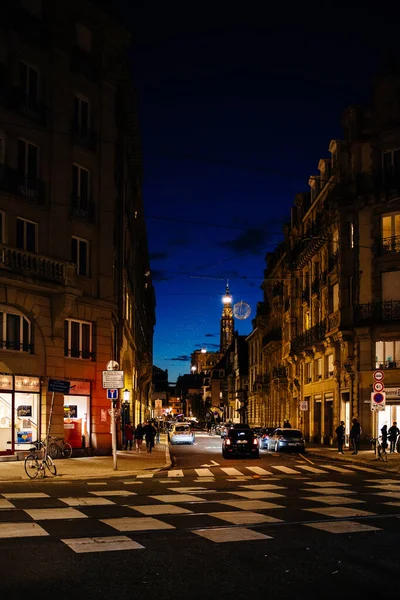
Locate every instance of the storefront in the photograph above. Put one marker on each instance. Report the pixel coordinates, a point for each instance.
(19, 412)
(392, 409)
(77, 415)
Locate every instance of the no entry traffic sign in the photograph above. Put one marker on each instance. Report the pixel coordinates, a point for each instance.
(379, 375)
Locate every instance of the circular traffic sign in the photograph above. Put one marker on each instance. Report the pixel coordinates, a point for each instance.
(378, 386)
(379, 375)
(378, 398)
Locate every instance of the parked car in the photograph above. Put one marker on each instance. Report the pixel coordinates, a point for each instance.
(287, 439)
(265, 436)
(240, 442)
(181, 433)
(225, 427)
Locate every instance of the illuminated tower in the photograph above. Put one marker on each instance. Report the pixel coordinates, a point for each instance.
(227, 324)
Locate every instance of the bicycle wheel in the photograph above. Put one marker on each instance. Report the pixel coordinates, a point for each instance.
(67, 450)
(384, 455)
(50, 465)
(53, 450)
(32, 466)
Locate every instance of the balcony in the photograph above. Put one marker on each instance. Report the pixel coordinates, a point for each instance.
(275, 335)
(333, 321)
(34, 265)
(333, 260)
(387, 364)
(21, 185)
(26, 106)
(84, 137)
(81, 354)
(82, 208)
(17, 346)
(390, 245)
(377, 313)
(309, 338)
(82, 62)
(279, 373)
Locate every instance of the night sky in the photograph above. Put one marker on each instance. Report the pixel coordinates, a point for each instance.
(237, 106)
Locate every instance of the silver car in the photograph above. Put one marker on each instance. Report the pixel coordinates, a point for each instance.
(181, 433)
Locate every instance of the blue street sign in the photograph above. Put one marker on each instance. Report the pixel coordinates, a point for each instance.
(112, 394)
(58, 385)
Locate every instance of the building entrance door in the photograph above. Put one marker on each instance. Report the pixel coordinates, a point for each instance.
(328, 422)
(6, 423)
(317, 422)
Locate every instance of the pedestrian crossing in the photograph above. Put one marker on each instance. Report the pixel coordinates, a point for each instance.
(116, 517)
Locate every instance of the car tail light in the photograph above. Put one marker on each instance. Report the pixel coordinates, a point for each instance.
(255, 442)
(228, 442)
(280, 438)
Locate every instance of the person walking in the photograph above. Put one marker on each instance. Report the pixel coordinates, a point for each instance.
(355, 433)
(150, 433)
(340, 435)
(139, 437)
(393, 435)
(286, 424)
(384, 434)
(128, 432)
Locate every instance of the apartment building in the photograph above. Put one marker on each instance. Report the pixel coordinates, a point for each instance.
(75, 286)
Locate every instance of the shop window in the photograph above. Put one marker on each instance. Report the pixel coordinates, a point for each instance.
(80, 255)
(15, 332)
(27, 236)
(78, 339)
(387, 355)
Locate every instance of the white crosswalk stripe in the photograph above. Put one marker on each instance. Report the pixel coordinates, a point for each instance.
(339, 469)
(258, 471)
(312, 469)
(286, 470)
(231, 471)
(175, 473)
(204, 472)
(366, 469)
(145, 476)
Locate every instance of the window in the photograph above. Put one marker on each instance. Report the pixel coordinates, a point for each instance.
(27, 237)
(15, 332)
(307, 320)
(83, 38)
(77, 339)
(387, 355)
(29, 80)
(80, 255)
(330, 366)
(81, 116)
(28, 160)
(351, 235)
(391, 225)
(308, 373)
(334, 298)
(318, 369)
(81, 186)
(390, 162)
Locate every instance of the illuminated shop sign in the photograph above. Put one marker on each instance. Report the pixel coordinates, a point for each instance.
(6, 382)
(27, 384)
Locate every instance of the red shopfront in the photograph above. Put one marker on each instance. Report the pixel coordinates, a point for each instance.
(19, 412)
(77, 415)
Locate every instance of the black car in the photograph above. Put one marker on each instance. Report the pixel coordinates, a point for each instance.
(240, 442)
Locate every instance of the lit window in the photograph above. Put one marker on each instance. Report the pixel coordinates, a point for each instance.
(351, 235)
(330, 365)
(387, 354)
(391, 226)
(27, 235)
(77, 339)
(15, 332)
(80, 255)
(308, 373)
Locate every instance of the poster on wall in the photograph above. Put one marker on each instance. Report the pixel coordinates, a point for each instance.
(70, 411)
(24, 410)
(24, 437)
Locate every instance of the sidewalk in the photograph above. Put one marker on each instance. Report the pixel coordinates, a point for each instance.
(365, 458)
(129, 462)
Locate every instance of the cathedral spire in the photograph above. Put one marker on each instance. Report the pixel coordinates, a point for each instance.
(227, 323)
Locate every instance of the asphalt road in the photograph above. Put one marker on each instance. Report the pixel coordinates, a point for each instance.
(294, 530)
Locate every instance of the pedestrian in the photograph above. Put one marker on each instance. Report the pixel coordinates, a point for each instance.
(355, 433)
(286, 424)
(128, 432)
(340, 435)
(150, 433)
(393, 435)
(384, 434)
(209, 426)
(139, 437)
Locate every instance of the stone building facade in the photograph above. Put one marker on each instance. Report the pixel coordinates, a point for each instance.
(332, 288)
(75, 284)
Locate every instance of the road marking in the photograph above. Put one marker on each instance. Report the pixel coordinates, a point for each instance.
(114, 493)
(30, 495)
(6, 504)
(388, 494)
(175, 473)
(327, 491)
(145, 476)
(177, 498)
(89, 483)
(205, 480)
(332, 500)
(16, 530)
(311, 469)
(227, 534)
(136, 524)
(389, 486)
(263, 486)
(339, 469)
(86, 501)
(367, 469)
(250, 504)
(341, 512)
(190, 490)
(252, 495)
(102, 544)
(286, 470)
(231, 471)
(46, 514)
(326, 483)
(204, 472)
(342, 527)
(258, 471)
(163, 509)
(244, 517)
(377, 481)
(132, 482)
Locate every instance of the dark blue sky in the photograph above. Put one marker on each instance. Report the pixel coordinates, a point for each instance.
(237, 106)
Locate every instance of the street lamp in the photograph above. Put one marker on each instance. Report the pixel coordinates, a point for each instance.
(127, 395)
(193, 369)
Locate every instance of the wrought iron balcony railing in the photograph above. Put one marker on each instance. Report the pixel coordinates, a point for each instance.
(21, 185)
(377, 312)
(82, 208)
(84, 136)
(387, 364)
(309, 338)
(390, 245)
(333, 320)
(43, 267)
(14, 345)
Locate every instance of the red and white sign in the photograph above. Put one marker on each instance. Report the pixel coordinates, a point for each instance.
(379, 375)
(378, 386)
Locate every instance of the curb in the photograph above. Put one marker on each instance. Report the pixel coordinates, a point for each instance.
(352, 461)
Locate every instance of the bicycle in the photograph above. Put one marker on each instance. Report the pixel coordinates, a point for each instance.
(58, 448)
(379, 448)
(34, 465)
